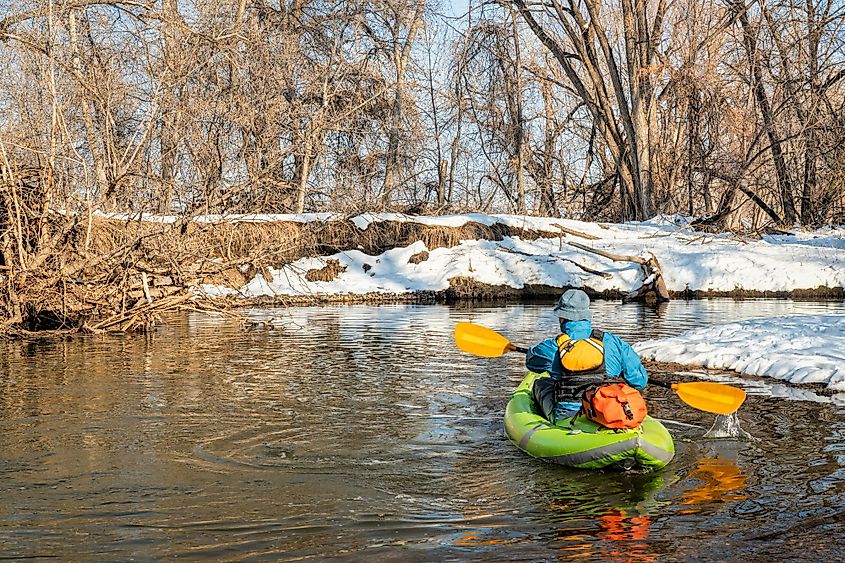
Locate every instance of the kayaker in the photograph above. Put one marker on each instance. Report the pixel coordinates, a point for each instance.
(590, 356)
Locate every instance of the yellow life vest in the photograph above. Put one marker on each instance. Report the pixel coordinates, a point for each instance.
(583, 356)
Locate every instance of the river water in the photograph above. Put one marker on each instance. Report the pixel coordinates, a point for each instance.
(360, 432)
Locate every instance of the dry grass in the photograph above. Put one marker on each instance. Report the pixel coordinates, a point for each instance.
(418, 257)
(327, 273)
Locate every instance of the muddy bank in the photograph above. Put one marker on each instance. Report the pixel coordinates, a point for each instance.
(810, 294)
(467, 290)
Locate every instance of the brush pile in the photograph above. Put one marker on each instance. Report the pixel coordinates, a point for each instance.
(72, 271)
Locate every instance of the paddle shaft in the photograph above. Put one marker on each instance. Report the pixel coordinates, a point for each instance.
(659, 383)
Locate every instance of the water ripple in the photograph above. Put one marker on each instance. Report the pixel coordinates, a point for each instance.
(360, 432)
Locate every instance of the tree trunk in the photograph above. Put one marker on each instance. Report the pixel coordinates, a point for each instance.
(454, 152)
(97, 153)
(808, 213)
(784, 182)
(401, 53)
(520, 143)
(167, 139)
(392, 157)
(547, 194)
(441, 183)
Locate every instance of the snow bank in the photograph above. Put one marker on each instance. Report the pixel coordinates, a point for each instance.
(690, 260)
(796, 349)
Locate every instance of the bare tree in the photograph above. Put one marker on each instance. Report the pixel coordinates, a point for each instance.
(578, 38)
(257, 105)
(403, 30)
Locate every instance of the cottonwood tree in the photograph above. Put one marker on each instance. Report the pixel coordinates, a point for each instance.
(492, 83)
(403, 20)
(618, 86)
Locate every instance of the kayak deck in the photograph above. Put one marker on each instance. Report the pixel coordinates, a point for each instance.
(582, 443)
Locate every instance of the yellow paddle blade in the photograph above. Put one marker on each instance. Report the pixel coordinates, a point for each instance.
(711, 397)
(481, 341)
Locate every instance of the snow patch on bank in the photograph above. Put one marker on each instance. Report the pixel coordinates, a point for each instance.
(689, 260)
(797, 348)
(695, 262)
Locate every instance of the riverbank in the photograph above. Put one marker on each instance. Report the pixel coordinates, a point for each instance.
(509, 257)
(119, 272)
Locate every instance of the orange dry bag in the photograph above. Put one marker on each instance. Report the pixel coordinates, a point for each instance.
(615, 405)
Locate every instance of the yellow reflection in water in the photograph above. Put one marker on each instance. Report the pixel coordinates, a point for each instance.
(475, 538)
(720, 480)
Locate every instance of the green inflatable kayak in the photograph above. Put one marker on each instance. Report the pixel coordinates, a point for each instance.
(584, 444)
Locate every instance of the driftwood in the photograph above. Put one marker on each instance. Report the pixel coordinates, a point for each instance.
(652, 290)
(141, 314)
(569, 231)
(146, 287)
(605, 275)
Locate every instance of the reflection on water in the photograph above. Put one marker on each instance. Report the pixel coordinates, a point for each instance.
(628, 534)
(714, 480)
(361, 432)
(604, 518)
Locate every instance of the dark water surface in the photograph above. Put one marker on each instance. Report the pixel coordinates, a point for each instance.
(360, 432)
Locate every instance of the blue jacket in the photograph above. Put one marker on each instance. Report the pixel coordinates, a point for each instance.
(619, 358)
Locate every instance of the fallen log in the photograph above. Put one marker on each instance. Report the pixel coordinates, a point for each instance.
(569, 231)
(653, 287)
